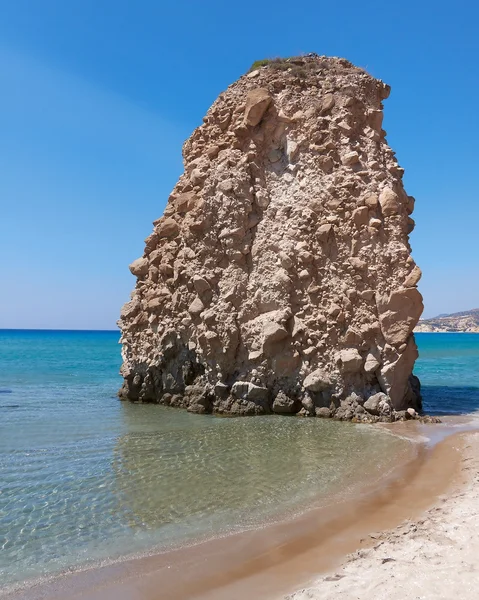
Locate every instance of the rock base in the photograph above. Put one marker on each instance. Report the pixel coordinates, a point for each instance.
(244, 398)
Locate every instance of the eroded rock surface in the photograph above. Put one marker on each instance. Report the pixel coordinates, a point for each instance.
(280, 276)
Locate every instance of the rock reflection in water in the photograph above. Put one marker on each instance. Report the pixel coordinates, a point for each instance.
(188, 475)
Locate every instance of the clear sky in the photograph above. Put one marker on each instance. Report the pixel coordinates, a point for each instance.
(99, 95)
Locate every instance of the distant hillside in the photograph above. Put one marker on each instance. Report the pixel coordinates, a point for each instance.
(466, 321)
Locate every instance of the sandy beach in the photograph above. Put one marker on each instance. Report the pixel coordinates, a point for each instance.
(393, 547)
(433, 556)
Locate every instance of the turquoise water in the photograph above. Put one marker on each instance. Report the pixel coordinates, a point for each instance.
(448, 368)
(84, 477)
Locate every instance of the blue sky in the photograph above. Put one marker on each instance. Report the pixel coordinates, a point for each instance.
(98, 97)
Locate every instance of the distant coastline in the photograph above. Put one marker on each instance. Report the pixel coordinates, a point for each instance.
(461, 322)
(418, 330)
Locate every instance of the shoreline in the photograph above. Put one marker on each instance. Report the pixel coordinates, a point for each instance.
(279, 557)
(432, 557)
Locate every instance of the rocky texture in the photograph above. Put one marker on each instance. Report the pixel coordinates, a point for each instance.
(461, 322)
(280, 276)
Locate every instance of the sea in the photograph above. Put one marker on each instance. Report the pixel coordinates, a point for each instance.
(86, 479)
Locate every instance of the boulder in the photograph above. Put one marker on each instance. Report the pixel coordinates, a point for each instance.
(371, 201)
(273, 332)
(249, 391)
(240, 389)
(324, 231)
(361, 216)
(257, 393)
(257, 103)
(316, 381)
(350, 158)
(373, 403)
(308, 404)
(196, 307)
(394, 378)
(221, 390)
(200, 284)
(413, 278)
(375, 119)
(186, 202)
(139, 267)
(385, 407)
(327, 103)
(283, 404)
(399, 314)
(168, 228)
(130, 310)
(389, 201)
(371, 363)
(351, 360)
(323, 412)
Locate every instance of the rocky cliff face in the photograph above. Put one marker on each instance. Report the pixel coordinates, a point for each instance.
(280, 276)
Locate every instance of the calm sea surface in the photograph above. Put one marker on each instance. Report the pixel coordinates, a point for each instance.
(85, 478)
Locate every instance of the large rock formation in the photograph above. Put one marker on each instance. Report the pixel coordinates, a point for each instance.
(280, 276)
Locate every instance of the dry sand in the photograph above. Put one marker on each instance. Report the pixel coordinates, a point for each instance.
(433, 557)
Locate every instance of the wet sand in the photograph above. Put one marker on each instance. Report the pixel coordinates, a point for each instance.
(433, 557)
(274, 560)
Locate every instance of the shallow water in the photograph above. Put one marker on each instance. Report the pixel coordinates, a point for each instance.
(84, 477)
